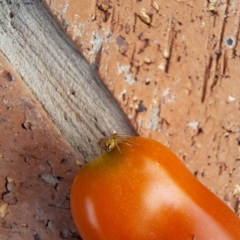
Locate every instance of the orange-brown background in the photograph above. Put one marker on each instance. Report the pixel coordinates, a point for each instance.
(173, 72)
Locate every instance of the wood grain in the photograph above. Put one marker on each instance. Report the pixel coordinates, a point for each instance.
(58, 75)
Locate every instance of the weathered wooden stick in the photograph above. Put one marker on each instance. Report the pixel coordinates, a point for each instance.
(59, 76)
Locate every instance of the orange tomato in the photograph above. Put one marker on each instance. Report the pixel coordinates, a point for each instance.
(144, 192)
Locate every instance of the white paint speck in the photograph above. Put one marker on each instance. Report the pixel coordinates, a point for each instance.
(231, 98)
(167, 96)
(194, 125)
(166, 92)
(125, 69)
(154, 121)
(65, 9)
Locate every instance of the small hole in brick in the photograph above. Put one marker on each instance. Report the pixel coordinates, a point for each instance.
(230, 42)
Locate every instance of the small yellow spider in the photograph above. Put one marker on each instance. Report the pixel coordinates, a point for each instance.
(109, 143)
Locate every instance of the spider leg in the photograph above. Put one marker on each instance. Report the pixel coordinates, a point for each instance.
(101, 147)
(123, 135)
(118, 148)
(130, 142)
(123, 142)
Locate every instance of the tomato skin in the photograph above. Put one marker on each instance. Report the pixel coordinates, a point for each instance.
(146, 193)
